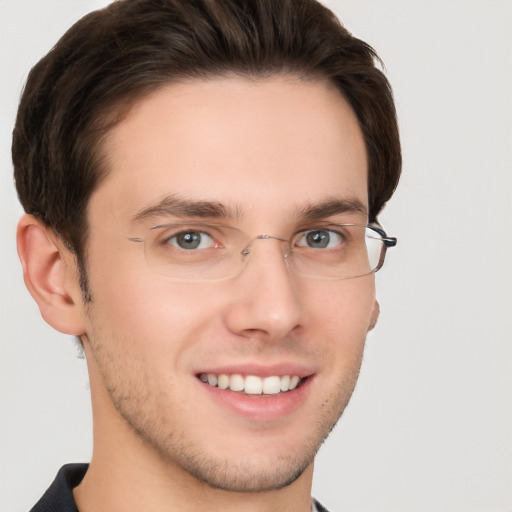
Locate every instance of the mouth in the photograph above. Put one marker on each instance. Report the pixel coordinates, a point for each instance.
(253, 385)
(261, 394)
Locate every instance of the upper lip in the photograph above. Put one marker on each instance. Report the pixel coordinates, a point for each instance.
(300, 370)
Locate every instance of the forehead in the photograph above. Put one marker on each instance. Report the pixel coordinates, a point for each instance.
(262, 146)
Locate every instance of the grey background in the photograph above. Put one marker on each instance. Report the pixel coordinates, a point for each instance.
(430, 425)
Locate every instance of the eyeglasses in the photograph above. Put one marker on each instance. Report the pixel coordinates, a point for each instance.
(211, 252)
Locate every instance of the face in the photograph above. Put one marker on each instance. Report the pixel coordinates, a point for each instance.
(265, 156)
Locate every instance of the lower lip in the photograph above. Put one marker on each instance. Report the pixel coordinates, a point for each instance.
(260, 407)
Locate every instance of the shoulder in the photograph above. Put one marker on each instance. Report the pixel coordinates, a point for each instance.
(59, 496)
(318, 507)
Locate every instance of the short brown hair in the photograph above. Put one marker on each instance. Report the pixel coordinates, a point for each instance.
(114, 56)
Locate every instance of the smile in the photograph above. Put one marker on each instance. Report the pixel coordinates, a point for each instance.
(252, 384)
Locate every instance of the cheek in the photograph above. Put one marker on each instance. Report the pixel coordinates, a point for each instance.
(139, 308)
(148, 308)
(147, 339)
(340, 316)
(346, 304)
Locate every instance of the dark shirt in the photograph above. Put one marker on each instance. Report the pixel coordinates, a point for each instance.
(59, 496)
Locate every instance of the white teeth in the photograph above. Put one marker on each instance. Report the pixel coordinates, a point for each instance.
(293, 382)
(236, 383)
(223, 381)
(252, 384)
(271, 385)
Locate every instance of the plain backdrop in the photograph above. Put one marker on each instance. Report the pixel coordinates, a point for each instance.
(429, 427)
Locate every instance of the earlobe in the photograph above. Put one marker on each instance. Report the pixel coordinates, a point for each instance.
(375, 315)
(50, 275)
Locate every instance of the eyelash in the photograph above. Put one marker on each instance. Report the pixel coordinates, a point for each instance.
(167, 239)
(199, 232)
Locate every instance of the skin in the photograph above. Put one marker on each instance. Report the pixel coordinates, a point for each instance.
(266, 149)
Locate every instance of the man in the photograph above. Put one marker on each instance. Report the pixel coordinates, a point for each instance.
(202, 181)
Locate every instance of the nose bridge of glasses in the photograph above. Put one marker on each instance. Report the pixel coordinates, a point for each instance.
(248, 246)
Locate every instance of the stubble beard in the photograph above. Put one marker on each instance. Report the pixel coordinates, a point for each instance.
(246, 474)
(179, 451)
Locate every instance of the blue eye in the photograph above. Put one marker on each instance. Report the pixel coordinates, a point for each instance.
(190, 240)
(320, 239)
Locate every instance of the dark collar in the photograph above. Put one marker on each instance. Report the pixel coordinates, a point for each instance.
(59, 496)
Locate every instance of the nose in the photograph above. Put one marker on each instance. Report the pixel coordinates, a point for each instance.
(264, 300)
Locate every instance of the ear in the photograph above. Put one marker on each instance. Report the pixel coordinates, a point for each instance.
(374, 316)
(51, 275)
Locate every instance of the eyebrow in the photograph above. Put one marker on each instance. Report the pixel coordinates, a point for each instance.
(174, 206)
(336, 206)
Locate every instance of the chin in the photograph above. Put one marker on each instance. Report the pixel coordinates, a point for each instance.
(249, 475)
(251, 467)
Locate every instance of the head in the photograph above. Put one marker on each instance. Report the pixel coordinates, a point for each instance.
(112, 58)
(266, 115)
